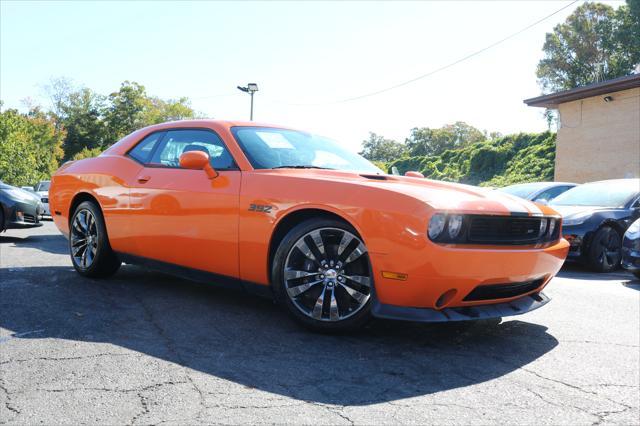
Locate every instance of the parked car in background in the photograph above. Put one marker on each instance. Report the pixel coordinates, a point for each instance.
(18, 208)
(28, 188)
(539, 192)
(42, 189)
(595, 218)
(631, 249)
(297, 217)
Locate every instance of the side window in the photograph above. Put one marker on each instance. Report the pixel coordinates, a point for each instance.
(142, 151)
(178, 141)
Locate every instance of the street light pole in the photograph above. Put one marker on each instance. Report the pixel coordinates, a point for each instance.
(250, 89)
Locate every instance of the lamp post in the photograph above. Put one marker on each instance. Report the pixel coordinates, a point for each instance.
(250, 89)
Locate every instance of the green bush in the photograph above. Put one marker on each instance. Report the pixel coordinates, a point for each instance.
(503, 161)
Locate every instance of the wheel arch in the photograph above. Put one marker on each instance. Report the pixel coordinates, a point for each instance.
(80, 198)
(293, 218)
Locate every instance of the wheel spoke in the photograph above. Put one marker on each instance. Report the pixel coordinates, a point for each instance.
(334, 314)
(317, 239)
(362, 280)
(304, 248)
(360, 297)
(317, 309)
(358, 251)
(292, 274)
(298, 290)
(84, 257)
(344, 242)
(75, 249)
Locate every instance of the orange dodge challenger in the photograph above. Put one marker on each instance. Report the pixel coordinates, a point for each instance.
(299, 218)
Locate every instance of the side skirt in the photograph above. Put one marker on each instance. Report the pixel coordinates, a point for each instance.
(198, 275)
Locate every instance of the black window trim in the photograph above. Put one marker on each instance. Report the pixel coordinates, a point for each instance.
(160, 143)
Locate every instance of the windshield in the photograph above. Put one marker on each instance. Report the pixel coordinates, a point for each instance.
(523, 190)
(615, 193)
(43, 186)
(268, 148)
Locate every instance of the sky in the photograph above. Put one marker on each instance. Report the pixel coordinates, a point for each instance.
(307, 57)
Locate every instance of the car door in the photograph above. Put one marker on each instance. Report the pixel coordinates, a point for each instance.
(181, 216)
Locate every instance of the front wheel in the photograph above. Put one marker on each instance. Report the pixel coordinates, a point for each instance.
(605, 251)
(321, 273)
(91, 253)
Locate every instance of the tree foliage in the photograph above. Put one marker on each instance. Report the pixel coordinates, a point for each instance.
(380, 149)
(427, 141)
(30, 146)
(595, 43)
(497, 162)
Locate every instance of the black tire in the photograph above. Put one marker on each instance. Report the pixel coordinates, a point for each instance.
(605, 250)
(101, 262)
(1, 218)
(334, 290)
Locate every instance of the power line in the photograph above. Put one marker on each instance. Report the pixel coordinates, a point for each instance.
(442, 68)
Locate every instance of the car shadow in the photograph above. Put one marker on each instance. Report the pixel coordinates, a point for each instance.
(50, 243)
(250, 341)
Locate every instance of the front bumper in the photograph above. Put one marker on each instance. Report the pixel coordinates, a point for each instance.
(631, 255)
(24, 215)
(445, 276)
(498, 310)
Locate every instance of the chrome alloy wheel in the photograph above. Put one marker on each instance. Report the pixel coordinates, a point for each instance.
(84, 238)
(327, 274)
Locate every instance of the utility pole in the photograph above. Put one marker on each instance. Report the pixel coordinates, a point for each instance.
(250, 89)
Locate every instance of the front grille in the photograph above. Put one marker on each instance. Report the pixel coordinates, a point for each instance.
(504, 230)
(502, 291)
(29, 218)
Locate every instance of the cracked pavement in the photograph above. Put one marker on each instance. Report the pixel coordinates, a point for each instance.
(146, 348)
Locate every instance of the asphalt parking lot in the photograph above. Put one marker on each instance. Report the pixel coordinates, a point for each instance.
(146, 348)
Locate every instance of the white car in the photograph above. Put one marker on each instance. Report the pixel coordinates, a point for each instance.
(42, 189)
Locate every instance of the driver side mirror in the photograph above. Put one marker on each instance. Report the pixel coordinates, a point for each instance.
(197, 160)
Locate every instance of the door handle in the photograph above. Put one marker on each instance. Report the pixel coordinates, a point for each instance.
(144, 179)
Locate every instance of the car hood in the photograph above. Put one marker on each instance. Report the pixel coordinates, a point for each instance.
(570, 211)
(437, 194)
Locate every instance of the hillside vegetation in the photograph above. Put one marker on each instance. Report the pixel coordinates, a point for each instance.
(497, 162)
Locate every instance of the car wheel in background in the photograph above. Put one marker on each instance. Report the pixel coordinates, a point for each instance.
(1, 218)
(321, 273)
(89, 247)
(605, 251)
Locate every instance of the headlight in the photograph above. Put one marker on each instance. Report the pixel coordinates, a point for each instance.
(455, 224)
(543, 227)
(552, 226)
(436, 225)
(633, 231)
(577, 218)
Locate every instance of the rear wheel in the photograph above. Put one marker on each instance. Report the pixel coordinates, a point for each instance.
(605, 251)
(91, 253)
(321, 273)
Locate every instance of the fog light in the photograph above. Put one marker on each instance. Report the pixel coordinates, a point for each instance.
(20, 216)
(455, 224)
(436, 225)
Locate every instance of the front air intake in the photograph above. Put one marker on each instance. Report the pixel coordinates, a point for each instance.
(502, 291)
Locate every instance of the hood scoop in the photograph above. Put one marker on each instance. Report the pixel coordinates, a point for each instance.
(374, 177)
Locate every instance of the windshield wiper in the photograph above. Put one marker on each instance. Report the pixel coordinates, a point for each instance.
(302, 167)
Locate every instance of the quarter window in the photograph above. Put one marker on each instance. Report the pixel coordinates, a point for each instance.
(142, 151)
(177, 142)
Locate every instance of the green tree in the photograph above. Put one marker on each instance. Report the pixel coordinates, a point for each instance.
(81, 117)
(595, 43)
(427, 141)
(378, 148)
(30, 146)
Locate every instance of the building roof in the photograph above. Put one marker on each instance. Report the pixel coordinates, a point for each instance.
(554, 99)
